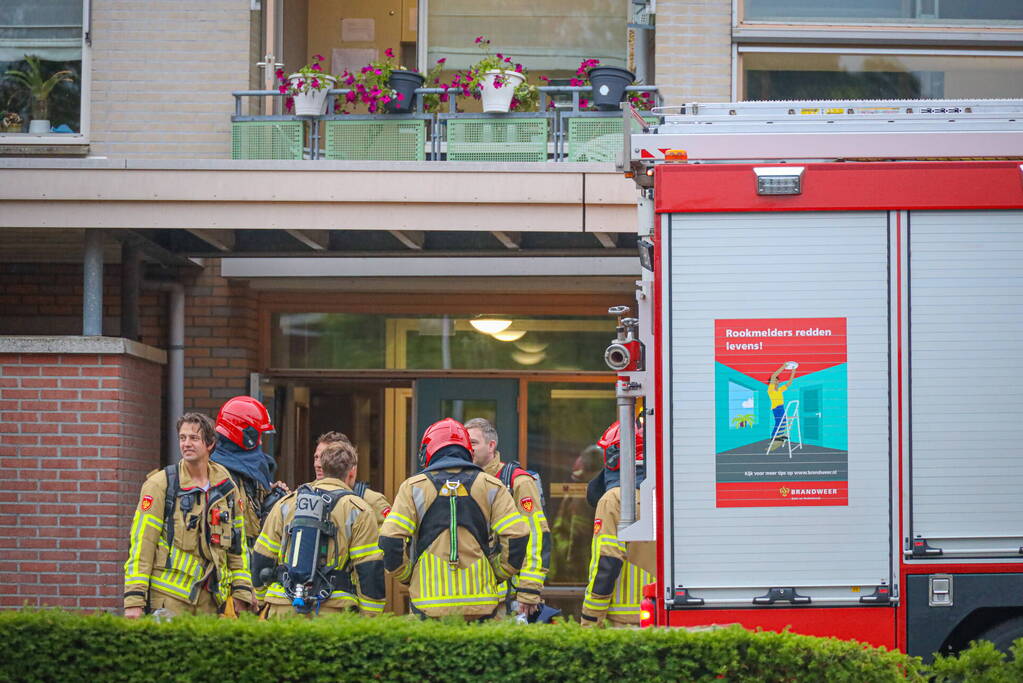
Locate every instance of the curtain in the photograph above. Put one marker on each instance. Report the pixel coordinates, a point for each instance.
(51, 29)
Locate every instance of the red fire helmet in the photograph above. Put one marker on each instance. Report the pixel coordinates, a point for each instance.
(244, 420)
(611, 440)
(446, 432)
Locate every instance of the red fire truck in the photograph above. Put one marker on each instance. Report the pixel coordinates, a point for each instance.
(828, 351)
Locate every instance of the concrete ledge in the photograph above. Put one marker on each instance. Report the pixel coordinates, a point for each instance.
(109, 346)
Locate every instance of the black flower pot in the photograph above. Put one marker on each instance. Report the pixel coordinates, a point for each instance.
(609, 83)
(405, 83)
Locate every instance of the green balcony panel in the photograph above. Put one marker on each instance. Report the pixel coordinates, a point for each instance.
(377, 139)
(497, 140)
(266, 139)
(596, 139)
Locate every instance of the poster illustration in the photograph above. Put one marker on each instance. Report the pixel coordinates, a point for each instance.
(781, 412)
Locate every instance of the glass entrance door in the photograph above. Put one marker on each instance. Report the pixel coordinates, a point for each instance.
(463, 399)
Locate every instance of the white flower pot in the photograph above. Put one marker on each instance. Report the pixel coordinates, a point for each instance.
(499, 99)
(312, 102)
(39, 127)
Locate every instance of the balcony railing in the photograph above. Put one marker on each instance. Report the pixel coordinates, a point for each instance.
(559, 132)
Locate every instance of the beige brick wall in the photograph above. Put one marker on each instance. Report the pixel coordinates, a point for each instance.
(162, 74)
(694, 50)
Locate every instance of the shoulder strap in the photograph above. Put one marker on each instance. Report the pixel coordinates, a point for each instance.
(360, 489)
(170, 500)
(438, 517)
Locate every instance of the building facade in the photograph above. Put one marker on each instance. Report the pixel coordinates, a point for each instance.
(164, 250)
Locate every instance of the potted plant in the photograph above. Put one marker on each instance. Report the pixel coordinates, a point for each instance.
(608, 84)
(307, 88)
(10, 122)
(501, 83)
(39, 88)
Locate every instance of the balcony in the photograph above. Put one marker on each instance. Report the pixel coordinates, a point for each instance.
(561, 132)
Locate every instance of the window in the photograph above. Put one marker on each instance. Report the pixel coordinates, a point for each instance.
(885, 11)
(821, 73)
(349, 341)
(548, 37)
(41, 49)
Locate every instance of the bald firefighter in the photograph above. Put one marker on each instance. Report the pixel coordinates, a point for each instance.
(454, 533)
(318, 549)
(187, 552)
(526, 590)
(381, 506)
(618, 570)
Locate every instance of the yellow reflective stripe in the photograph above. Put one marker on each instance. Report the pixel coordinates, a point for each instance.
(533, 566)
(272, 546)
(439, 581)
(367, 605)
(402, 521)
(365, 551)
(142, 521)
(457, 601)
(596, 604)
(531, 575)
(505, 522)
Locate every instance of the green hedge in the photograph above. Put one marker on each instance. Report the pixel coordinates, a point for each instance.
(52, 645)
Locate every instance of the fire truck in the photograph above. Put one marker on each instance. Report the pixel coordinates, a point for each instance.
(827, 355)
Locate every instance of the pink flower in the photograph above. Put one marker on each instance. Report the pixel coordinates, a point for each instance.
(479, 39)
(283, 89)
(289, 103)
(279, 73)
(378, 72)
(389, 52)
(442, 60)
(350, 96)
(545, 79)
(317, 67)
(500, 56)
(315, 83)
(318, 58)
(518, 68)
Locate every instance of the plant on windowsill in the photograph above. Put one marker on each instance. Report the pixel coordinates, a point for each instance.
(306, 89)
(608, 84)
(10, 122)
(39, 88)
(498, 82)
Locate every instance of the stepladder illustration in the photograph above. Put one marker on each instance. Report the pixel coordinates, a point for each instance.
(787, 432)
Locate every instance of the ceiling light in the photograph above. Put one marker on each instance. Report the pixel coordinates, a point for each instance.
(531, 347)
(509, 335)
(527, 358)
(490, 325)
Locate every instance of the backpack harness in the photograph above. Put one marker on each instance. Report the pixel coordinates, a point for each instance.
(511, 471)
(188, 499)
(302, 573)
(459, 510)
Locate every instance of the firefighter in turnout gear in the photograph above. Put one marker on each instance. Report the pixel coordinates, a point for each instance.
(527, 587)
(241, 423)
(337, 565)
(381, 506)
(187, 551)
(453, 533)
(618, 570)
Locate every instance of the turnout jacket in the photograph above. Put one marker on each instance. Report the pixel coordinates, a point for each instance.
(379, 503)
(454, 572)
(208, 548)
(353, 555)
(618, 570)
(528, 584)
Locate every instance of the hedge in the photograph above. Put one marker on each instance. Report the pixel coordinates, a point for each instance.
(52, 645)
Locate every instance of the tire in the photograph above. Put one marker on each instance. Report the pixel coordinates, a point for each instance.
(1003, 634)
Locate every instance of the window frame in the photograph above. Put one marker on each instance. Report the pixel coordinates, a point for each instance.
(739, 20)
(741, 50)
(85, 105)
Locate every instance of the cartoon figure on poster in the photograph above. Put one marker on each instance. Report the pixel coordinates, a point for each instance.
(781, 412)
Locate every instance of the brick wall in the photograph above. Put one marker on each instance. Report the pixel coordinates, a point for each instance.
(77, 435)
(694, 50)
(162, 76)
(221, 321)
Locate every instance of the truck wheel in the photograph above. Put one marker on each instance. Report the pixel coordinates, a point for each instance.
(1003, 634)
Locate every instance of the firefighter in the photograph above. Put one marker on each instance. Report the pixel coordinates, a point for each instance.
(343, 571)
(376, 500)
(453, 573)
(241, 423)
(527, 587)
(618, 570)
(187, 551)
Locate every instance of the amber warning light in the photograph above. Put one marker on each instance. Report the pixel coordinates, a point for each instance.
(676, 155)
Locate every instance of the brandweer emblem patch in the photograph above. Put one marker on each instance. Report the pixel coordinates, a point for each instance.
(597, 523)
(387, 511)
(147, 502)
(527, 504)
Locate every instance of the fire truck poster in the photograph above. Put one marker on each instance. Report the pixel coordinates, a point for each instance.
(781, 412)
